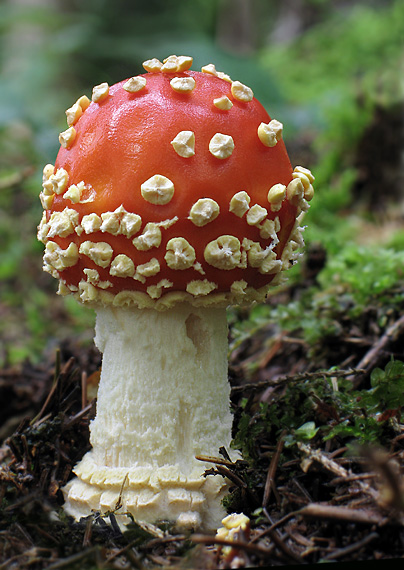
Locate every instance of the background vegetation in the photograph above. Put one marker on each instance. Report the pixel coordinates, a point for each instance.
(331, 71)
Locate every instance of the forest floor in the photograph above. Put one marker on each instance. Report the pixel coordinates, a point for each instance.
(312, 491)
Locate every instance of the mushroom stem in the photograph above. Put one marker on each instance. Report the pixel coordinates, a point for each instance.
(163, 399)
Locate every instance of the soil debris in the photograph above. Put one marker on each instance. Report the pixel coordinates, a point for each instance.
(311, 493)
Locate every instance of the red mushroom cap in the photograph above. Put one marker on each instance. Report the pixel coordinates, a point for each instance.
(171, 186)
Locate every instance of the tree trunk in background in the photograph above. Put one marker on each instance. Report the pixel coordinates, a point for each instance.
(236, 27)
(33, 77)
(25, 37)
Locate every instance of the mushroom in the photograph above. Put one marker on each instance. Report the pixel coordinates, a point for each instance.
(172, 197)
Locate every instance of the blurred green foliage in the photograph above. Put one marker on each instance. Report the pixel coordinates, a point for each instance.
(331, 78)
(356, 280)
(321, 79)
(333, 59)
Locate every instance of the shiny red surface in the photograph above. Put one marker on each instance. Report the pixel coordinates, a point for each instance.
(125, 139)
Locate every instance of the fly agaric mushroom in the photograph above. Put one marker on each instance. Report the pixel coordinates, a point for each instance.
(172, 197)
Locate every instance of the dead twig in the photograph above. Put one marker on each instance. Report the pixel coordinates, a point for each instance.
(32, 555)
(125, 551)
(320, 457)
(351, 478)
(154, 542)
(67, 562)
(271, 353)
(373, 357)
(215, 460)
(258, 550)
(223, 467)
(270, 481)
(352, 547)
(280, 522)
(225, 472)
(257, 386)
(77, 417)
(280, 543)
(331, 512)
(60, 375)
(84, 389)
